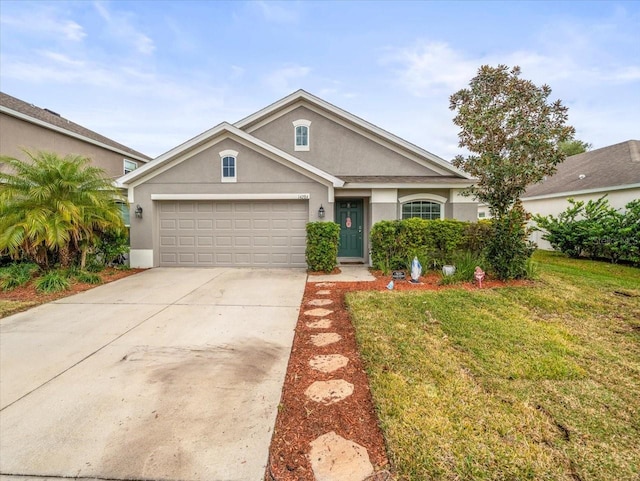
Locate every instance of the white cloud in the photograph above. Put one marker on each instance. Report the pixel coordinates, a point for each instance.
(278, 12)
(281, 80)
(45, 22)
(121, 26)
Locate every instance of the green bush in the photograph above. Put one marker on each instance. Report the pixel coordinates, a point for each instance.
(88, 277)
(465, 263)
(109, 250)
(16, 275)
(594, 229)
(323, 239)
(435, 242)
(53, 281)
(508, 248)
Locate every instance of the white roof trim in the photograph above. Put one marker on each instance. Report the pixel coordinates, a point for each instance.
(595, 190)
(399, 185)
(363, 124)
(69, 133)
(163, 162)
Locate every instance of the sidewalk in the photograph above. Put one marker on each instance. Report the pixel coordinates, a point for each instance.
(349, 273)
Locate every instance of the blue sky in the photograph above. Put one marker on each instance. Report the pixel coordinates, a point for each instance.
(154, 74)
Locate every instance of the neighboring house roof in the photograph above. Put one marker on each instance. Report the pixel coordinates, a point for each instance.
(46, 118)
(179, 153)
(375, 133)
(609, 168)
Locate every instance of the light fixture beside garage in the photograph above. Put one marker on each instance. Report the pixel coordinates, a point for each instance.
(138, 211)
(321, 212)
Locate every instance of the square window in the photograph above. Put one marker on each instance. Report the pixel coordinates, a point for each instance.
(129, 166)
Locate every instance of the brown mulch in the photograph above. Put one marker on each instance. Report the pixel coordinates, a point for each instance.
(28, 293)
(301, 420)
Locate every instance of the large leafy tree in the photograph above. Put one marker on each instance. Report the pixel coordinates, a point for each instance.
(574, 147)
(513, 133)
(53, 208)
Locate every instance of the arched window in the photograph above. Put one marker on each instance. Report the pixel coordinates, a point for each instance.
(425, 209)
(301, 134)
(229, 170)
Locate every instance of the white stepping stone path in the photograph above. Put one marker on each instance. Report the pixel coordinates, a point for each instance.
(318, 312)
(324, 292)
(334, 458)
(320, 302)
(329, 392)
(328, 363)
(325, 284)
(320, 324)
(325, 338)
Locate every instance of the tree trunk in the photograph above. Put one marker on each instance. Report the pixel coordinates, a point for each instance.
(65, 256)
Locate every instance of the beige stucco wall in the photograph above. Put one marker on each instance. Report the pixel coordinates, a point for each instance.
(16, 135)
(335, 148)
(201, 174)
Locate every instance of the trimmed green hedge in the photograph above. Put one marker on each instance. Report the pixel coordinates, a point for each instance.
(323, 239)
(394, 243)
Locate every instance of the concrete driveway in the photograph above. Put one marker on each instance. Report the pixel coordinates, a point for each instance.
(168, 374)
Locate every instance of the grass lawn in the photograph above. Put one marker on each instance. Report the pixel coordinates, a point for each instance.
(537, 382)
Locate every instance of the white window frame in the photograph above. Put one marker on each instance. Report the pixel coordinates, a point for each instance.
(301, 123)
(436, 199)
(223, 155)
(124, 166)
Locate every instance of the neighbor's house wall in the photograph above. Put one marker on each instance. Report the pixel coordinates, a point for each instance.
(554, 206)
(336, 149)
(17, 134)
(202, 173)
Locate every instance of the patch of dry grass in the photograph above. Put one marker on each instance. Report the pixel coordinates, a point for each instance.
(535, 382)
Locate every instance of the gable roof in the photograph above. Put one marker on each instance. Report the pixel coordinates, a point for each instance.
(608, 168)
(422, 156)
(181, 152)
(47, 118)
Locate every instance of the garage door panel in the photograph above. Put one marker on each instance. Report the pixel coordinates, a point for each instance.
(238, 233)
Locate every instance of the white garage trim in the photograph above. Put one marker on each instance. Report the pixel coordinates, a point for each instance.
(302, 196)
(141, 258)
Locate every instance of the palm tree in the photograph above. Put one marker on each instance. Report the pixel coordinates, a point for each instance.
(51, 208)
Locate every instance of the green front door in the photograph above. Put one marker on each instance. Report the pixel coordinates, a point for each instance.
(349, 215)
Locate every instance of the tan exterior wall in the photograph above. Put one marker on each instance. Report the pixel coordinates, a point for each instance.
(335, 148)
(16, 135)
(201, 174)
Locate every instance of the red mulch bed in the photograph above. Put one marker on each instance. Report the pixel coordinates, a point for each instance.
(301, 420)
(28, 293)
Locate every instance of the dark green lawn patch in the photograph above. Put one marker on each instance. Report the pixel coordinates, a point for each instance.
(534, 382)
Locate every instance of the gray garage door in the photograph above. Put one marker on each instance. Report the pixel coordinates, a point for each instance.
(233, 233)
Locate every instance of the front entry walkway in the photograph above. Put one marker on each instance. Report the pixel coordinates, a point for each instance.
(169, 374)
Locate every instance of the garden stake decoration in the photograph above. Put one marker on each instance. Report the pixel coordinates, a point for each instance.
(479, 275)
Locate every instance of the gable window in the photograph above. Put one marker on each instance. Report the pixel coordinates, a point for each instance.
(424, 209)
(129, 166)
(301, 134)
(228, 163)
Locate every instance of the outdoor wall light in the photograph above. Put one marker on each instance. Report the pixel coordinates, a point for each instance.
(138, 211)
(321, 212)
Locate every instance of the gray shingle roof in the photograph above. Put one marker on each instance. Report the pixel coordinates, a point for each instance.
(55, 119)
(613, 166)
(408, 179)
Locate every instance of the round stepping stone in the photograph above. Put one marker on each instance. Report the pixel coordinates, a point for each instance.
(320, 302)
(325, 284)
(329, 392)
(324, 292)
(334, 458)
(320, 324)
(325, 338)
(328, 363)
(318, 312)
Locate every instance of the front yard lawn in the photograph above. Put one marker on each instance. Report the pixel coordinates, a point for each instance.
(538, 382)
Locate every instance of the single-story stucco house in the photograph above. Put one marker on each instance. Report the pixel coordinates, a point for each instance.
(242, 194)
(613, 171)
